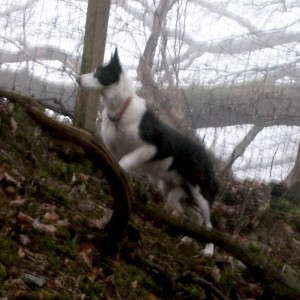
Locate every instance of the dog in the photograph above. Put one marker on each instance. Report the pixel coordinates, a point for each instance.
(143, 144)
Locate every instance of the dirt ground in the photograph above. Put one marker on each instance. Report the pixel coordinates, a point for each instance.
(54, 201)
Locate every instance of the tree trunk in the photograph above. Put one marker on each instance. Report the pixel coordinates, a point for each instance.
(93, 53)
(294, 175)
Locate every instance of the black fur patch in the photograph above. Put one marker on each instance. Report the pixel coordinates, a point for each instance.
(110, 73)
(190, 158)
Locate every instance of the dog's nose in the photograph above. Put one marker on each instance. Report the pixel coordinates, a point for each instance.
(78, 80)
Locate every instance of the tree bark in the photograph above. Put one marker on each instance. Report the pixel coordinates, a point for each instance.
(294, 175)
(94, 46)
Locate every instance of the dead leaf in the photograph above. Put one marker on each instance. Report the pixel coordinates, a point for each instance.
(2, 171)
(151, 297)
(24, 218)
(62, 222)
(21, 253)
(85, 250)
(46, 207)
(10, 190)
(86, 206)
(216, 274)
(84, 256)
(13, 125)
(86, 247)
(134, 284)
(18, 202)
(36, 224)
(51, 217)
(55, 284)
(24, 239)
(83, 177)
(80, 178)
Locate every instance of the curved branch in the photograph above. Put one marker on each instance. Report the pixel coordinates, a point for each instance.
(246, 43)
(241, 147)
(223, 12)
(40, 53)
(98, 155)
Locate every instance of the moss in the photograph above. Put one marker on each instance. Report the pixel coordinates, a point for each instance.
(53, 191)
(228, 280)
(254, 247)
(8, 251)
(3, 272)
(133, 283)
(288, 210)
(231, 198)
(93, 290)
(58, 169)
(293, 193)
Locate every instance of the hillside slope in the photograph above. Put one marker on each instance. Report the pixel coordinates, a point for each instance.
(53, 201)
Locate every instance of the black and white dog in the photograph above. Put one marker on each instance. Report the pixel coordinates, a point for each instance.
(142, 144)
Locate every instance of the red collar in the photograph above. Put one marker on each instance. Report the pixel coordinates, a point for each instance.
(118, 116)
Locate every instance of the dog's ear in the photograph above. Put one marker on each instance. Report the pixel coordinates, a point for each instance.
(116, 55)
(115, 61)
(115, 58)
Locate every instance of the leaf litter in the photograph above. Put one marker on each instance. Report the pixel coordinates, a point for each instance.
(50, 211)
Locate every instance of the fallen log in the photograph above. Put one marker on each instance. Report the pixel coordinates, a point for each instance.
(277, 284)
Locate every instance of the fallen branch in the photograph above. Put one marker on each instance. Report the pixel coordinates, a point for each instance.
(169, 281)
(95, 152)
(280, 286)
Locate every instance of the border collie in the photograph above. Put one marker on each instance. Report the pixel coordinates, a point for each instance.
(142, 144)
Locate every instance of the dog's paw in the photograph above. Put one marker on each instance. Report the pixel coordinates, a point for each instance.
(125, 164)
(186, 240)
(208, 251)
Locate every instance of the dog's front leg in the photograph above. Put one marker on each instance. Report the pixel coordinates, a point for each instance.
(132, 161)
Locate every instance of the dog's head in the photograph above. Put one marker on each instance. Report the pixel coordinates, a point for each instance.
(104, 76)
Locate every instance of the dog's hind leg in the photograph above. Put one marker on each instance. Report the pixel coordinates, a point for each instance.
(197, 212)
(204, 207)
(174, 198)
(205, 212)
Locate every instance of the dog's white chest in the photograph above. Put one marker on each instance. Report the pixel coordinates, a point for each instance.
(119, 139)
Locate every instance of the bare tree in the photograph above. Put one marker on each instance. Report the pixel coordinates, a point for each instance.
(93, 53)
(237, 82)
(294, 175)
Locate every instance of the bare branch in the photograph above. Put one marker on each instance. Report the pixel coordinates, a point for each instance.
(241, 147)
(16, 8)
(223, 12)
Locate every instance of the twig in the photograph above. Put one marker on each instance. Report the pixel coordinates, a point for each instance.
(189, 277)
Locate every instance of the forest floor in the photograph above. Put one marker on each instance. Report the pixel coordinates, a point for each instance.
(53, 202)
